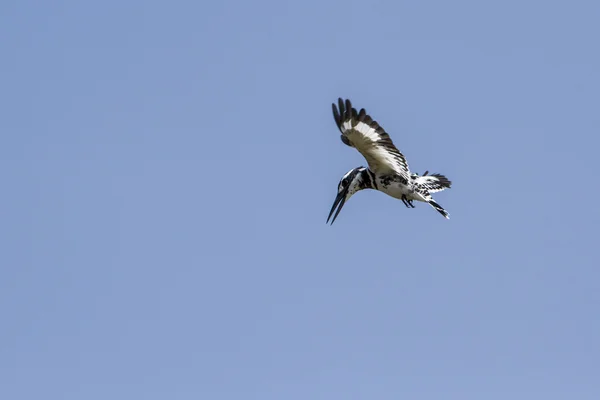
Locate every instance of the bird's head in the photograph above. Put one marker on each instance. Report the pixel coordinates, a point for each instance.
(351, 182)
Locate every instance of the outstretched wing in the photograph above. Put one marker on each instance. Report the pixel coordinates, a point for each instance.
(360, 131)
(433, 183)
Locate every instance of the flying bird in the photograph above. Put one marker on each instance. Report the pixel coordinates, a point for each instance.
(388, 169)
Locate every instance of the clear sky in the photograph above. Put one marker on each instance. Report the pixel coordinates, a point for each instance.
(167, 170)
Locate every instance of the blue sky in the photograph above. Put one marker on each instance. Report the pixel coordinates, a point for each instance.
(168, 168)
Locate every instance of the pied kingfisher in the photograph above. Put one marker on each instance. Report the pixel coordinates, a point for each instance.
(388, 170)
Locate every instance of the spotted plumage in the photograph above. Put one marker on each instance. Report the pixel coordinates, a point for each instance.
(388, 169)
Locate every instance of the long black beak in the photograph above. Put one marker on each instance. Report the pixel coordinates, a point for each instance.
(339, 201)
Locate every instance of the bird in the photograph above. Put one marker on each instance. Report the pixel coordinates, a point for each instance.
(387, 171)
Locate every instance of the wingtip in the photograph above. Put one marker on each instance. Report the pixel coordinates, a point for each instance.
(348, 104)
(336, 116)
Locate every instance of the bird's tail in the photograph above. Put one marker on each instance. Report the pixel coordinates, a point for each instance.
(443, 181)
(439, 208)
(433, 183)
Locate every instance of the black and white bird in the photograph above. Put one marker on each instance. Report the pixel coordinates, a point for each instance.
(388, 170)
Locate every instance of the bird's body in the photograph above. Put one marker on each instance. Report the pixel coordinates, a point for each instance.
(391, 186)
(388, 169)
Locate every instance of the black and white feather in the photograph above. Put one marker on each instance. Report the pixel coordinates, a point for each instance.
(432, 183)
(388, 169)
(360, 131)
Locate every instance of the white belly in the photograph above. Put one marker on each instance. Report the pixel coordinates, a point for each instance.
(397, 190)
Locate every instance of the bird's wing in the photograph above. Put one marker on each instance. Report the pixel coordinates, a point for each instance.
(360, 131)
(433, 183)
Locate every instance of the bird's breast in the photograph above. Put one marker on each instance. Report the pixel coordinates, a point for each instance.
(393, 188)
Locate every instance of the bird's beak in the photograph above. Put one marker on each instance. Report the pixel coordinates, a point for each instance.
(339, 201)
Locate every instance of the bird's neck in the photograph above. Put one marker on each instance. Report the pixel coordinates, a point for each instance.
(368, 179)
